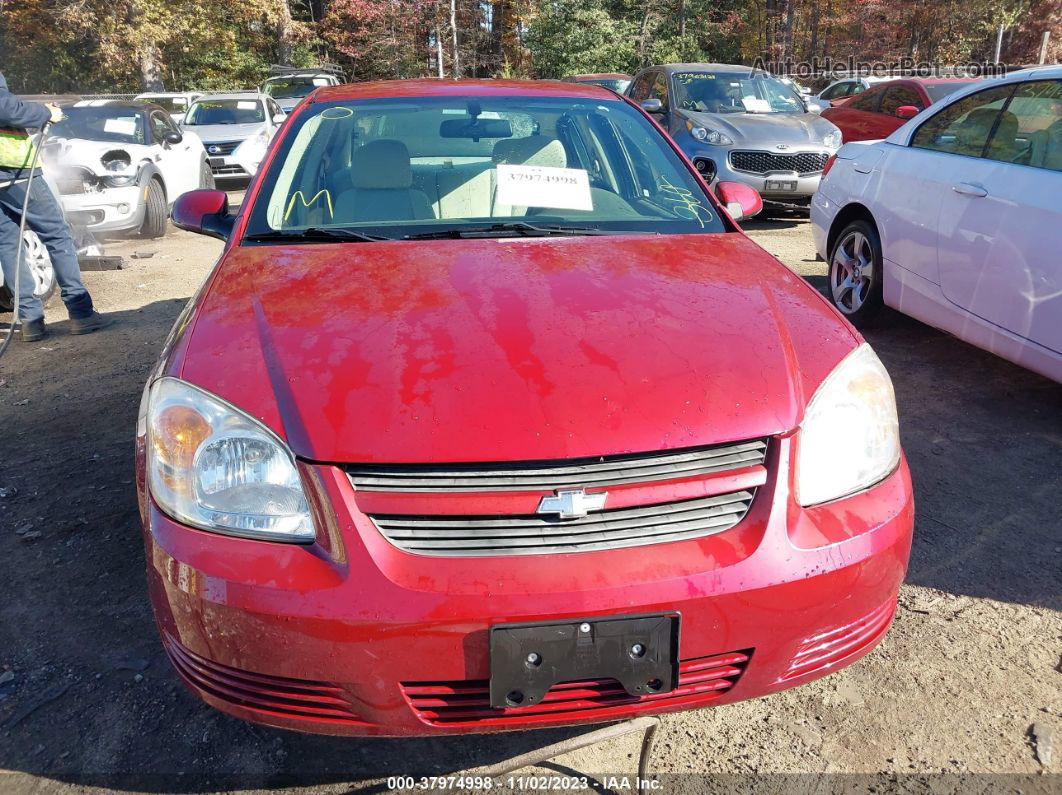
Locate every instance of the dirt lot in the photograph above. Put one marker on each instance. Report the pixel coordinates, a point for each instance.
(971, 666)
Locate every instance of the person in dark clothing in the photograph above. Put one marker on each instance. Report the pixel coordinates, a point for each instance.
(43, 216)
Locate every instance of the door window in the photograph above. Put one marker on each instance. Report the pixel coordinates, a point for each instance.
(867, 101)
(659, 89)
(964, 127)
(160, 124)
(839, 90)
(897, 97)
(640, 90)
(1029, 131)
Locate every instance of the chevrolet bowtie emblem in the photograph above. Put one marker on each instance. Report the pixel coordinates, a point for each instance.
(572, 504)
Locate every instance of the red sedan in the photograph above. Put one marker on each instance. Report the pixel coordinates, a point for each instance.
(489, 417)
(885, 107)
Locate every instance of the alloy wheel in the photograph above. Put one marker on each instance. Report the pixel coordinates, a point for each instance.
(852, 272)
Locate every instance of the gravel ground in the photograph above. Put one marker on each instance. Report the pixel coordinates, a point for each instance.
(965, 692)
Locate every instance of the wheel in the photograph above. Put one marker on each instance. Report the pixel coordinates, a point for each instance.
(206, 176)
(855, 273)
(156, 212)
(40, 269)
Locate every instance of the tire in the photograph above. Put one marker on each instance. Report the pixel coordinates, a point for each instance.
(156, 213)
(40, 264)
(854, 273)
(206, 177)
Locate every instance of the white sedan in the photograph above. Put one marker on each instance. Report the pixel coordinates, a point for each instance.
(956, 219)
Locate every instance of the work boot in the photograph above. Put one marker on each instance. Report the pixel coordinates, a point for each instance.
(86, 325)
(33, 330)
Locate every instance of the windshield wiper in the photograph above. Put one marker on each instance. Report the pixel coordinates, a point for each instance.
(316, 234)
(518, 229)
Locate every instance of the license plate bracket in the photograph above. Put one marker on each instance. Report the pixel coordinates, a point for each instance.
(780, 185)
(639, 652)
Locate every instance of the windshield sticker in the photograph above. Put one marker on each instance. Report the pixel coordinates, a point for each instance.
(684, 203)
(755, 105)
(337, 113)
(687, 77)
(120, 126)
(248, 104)
(544, 186)
(301, 197)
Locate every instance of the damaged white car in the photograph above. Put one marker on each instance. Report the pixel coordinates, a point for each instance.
(119, 166)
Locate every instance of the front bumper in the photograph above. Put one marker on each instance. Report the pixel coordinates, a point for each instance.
(805, 185)
(352, 636)
(106, 210)
(236, 164)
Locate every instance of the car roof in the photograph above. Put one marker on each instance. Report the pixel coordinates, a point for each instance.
(235, 95)
(434, 87)
(707, 67)
(130, 104)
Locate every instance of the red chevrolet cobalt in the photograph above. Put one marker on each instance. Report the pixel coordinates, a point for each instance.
(489, 417)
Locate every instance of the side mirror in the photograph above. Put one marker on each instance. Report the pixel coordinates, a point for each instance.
(205, 212)
(907, 112)
(172, 137)
(653, 105)
(279, 117)
(741, 201)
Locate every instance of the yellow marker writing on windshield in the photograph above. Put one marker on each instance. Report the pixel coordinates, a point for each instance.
(307, 204)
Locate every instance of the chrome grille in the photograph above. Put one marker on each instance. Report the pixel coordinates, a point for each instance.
(219, 148)
(477, 536)
(601, 471)
(766, 162)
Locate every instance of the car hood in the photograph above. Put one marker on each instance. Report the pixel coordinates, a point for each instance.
(766, 129)
(479, 350)
(210, 133)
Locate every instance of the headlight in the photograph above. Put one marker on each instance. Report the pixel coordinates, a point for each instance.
(832, 140)
(120, 181)
(213, 467)
(849, 439)
(706, 135)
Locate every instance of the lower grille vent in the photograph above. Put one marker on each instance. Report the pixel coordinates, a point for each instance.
(468, 702)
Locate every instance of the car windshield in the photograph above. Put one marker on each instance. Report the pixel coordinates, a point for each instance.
(122, 125)
(734, 92)
(292, 87)
(170, 104)
(225, 111)
(940, 90)
(456, 165)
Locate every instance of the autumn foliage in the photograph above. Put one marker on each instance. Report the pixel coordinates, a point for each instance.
(92, 46)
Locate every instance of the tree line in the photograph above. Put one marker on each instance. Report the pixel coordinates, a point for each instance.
(101, 46)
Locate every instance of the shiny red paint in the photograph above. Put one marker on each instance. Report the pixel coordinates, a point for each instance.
(205, 211)
(860, 119)
(508, 350)
(745, 197)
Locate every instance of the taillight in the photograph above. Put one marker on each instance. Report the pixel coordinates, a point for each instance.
(829, 164)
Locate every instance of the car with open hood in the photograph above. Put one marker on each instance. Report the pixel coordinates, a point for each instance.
(490, 417)
(738, 124)
(118, 166)
(235, 130)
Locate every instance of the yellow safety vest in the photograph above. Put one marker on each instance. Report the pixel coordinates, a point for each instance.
(16, 148)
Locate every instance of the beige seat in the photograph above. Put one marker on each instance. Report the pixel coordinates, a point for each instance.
(382, 189)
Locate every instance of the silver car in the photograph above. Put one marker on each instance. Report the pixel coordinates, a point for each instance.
(741, 125)
(235, 129)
